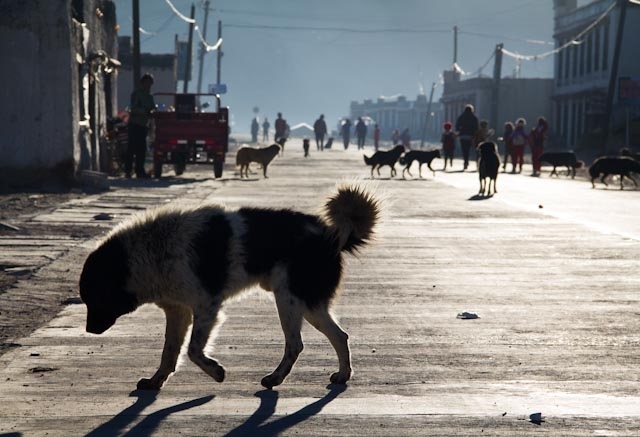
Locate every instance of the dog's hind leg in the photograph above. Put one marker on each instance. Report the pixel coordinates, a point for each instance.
(290, 310)
(178, 321)
(321, 319)
(204, 320)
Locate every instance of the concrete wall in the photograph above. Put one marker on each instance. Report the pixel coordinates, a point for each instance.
(50, 87)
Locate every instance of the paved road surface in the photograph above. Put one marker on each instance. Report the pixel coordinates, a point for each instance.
(556, 291)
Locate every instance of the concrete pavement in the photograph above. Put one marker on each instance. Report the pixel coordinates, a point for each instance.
(558, 332)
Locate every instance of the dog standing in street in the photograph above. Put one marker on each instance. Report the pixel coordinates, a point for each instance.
(384, 157)
(618, 165)
(488, 167)
(262, 155)
(422, 157)
(559, 159)
(188, 261)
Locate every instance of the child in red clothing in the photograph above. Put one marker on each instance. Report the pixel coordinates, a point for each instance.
(448, 140)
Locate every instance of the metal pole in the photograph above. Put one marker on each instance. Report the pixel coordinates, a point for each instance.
(187, 68)
(136, 43)
(219, 62)
(613, 76)
(495, 92)
(428, 117)
(455, 44)
(203, 50)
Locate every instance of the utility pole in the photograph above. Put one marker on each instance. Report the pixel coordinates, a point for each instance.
(187, 68)
(428, 117)
(136, 43)
(455, 44)
(203, 49)
(495, 91)
(613, 76)
(219, 62)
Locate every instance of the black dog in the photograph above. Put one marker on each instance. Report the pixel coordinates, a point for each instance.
(620, 165)
(329, 143)
(305, 146)
(488, 166)
(382, 158)
(559, 159)
(422, 156)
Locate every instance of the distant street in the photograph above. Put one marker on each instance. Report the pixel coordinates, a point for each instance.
(548, 264)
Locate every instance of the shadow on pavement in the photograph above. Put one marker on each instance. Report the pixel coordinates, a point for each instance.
(255, 426)
(118, 423)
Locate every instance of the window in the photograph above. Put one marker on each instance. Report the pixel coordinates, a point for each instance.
(596, 49)
(589, 51)
(605, 47)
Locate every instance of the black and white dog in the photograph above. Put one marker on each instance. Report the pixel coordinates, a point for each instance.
(188, 261)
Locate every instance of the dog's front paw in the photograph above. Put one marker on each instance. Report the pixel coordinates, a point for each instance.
(149, 384)
(340, 378)
(271, 381)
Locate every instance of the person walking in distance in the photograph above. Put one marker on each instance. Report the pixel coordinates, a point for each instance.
(466, 127)
(345, 131)
(376, 137)
(281, 128)
(141, 106)
(537, 137)
(265, 130)
(361, 132)
(320, 129)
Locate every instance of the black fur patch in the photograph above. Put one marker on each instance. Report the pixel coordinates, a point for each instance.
(299, 242)
(211, 249)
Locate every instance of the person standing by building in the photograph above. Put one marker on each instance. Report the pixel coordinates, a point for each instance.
(140, 108)
(395, 137)
(361, 132)
(320, 129)
(265, 130)
(506, 139)
(538, 135)
(466, 127)
(519, 139)
(345, 131)
(405, 137)
(376, 137)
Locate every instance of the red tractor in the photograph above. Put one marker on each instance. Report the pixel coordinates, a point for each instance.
(185, 136)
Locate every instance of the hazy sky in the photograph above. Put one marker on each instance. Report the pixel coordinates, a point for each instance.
(306, 57)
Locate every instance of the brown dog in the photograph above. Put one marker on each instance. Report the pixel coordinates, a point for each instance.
(262, 155)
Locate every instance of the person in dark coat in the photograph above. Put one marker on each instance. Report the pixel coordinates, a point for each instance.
(466, 127)
(346, 132)
(361, 132)
(320, 129)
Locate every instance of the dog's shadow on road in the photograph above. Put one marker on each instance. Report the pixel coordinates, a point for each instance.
(256, 426)
(480, 197)
(117, 424)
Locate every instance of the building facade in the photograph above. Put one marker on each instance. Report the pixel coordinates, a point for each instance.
(400, 113)
(529, 98)
(585, 91)
(59, 86)
(161, 66)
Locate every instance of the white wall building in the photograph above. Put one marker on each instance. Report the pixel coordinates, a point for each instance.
(585, 69)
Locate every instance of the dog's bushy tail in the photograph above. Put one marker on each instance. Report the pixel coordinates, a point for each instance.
(351, 214)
